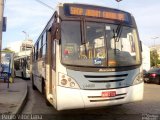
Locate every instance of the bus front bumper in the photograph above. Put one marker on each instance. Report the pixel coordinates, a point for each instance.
(68, 98)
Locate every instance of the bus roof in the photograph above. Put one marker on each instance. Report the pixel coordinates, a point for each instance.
(104, 13)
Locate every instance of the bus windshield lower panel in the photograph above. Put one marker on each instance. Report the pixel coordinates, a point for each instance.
(105, 45)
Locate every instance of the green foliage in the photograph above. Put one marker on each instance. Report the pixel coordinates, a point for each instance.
(7, 50)
(154, 58)
(158, 62)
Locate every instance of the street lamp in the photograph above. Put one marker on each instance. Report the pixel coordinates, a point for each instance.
(26, 37)
(26, 34)
(154, 38)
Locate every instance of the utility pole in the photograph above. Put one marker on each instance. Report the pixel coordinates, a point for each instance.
(1, 24)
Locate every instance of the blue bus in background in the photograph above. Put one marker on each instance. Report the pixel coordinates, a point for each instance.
(7, 66)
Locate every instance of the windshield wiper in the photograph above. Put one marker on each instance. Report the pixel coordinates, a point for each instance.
(83, 36)
(117, 34)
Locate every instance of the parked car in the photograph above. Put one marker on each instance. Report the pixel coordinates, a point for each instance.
(153, 75)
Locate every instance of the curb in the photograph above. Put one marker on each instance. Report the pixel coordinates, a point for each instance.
(22, 103)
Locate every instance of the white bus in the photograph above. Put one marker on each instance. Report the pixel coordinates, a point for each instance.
(22, 66)
(88, 56)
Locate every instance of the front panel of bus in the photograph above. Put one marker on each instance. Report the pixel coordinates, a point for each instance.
(100, 52)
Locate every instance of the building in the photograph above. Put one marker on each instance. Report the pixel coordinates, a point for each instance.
(20, 46)
(26, 45)
(25, 48)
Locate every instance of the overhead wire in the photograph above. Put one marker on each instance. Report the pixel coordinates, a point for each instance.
(44, 4)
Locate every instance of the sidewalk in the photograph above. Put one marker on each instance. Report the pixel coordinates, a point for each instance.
(12, 99)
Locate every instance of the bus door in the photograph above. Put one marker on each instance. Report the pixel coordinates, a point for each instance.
(53, 68)
(53, 59)
(48, 66)
(51, 64)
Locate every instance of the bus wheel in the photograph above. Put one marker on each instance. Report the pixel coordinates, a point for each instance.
(15, 74)
(45, 95)
(118, 105)
(33, 86)
(22, 75)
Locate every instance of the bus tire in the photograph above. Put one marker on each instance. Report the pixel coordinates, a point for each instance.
(22, 75)
(33, 86)
(44, 93)
(15, 74)
(118, 105)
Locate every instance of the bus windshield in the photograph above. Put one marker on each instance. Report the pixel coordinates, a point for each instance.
(99, 44)
(6, 61)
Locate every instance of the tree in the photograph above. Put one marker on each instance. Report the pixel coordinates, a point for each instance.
(7, 50)
(154, 58)
(158, 62)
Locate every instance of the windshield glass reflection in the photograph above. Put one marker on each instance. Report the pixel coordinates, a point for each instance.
(101, 47)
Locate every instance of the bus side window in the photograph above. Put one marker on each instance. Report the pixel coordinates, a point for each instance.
(20, 67)
(41, 47)
(37, 50)
(44, 39)
(28, 62)
(44, 51)
(33, 54)
(24, 62)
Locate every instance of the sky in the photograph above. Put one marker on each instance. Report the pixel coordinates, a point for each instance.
(31, 16)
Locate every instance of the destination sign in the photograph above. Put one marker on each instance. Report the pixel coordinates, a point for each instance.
(94, 11)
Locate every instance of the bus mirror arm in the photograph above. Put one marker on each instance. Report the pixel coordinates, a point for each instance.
(58, 33)
(141, 46)
(56, 30)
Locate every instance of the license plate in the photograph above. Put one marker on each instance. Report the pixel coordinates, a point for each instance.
(146, 79)
(109, 94)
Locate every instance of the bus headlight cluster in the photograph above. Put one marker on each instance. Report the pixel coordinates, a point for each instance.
(63, 81)
(138, 79)
(67, 81)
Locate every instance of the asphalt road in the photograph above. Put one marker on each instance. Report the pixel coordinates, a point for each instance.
(148, 109)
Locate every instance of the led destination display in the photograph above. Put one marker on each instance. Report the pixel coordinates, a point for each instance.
(97, 12)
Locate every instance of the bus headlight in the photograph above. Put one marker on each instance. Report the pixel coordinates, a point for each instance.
(138, 79)
(72, 84)
(64, 82)
(67, 81)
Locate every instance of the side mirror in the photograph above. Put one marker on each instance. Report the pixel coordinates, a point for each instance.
(56, 31)
(140, 42)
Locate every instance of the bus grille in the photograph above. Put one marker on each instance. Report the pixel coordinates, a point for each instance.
(106, 78)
